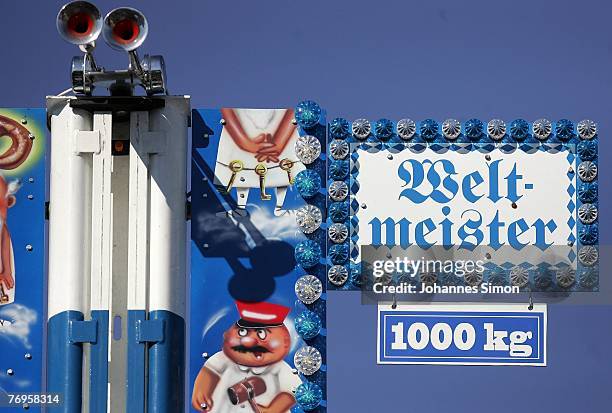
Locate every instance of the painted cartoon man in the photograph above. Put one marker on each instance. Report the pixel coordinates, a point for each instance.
(249, 374)
(257, 150)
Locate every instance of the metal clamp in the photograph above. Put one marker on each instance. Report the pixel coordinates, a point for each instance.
(150, 331)
(83, 331)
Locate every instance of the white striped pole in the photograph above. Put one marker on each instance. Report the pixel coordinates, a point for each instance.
(142, 144)
(157, 258)
(69, 248)
(101, 262)
(168, 257)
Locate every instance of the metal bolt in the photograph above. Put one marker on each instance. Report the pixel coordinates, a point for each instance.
(488, 256)
(29, 247)
(389, 157)
(570, 243)
(30, 180)
(10, 372)
(294, 121)
(205, 355)
(242, 179)
(514, 206)
(364, 206)
(26, 406)
(205, 136)
(24, 121)
(570, 170)
(205, 179)
(28, 356)
(294, 371)
(223, 122)
(205, 245)
(30, 197)
(31, 136)
(488, 157)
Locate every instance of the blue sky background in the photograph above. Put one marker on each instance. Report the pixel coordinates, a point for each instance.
(379, 58)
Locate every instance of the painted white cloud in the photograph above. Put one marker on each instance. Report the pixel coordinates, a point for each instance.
(16, 323)
(272, 227)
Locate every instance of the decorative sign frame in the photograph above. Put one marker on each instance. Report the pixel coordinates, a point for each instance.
(573, 148)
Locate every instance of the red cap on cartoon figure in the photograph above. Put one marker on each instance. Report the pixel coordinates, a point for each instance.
(253, 315)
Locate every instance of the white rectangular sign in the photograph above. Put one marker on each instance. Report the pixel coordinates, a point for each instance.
(497, 201)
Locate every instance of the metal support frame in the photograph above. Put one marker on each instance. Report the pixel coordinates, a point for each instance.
(117, 254)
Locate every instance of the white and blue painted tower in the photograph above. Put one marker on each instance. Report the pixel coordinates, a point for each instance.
(117, 227)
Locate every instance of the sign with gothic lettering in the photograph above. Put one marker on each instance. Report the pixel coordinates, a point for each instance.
(520, 201)
(466, 199)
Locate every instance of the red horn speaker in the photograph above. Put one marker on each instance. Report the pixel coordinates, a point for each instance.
(125, 28)
(79, 22)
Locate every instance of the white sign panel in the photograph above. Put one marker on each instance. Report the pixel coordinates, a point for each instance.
(488, 200)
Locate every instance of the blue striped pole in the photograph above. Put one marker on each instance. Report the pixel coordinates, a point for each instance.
(64, 361)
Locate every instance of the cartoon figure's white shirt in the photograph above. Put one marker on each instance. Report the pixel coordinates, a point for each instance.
(279, 378)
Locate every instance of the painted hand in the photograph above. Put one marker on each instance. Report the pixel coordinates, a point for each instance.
(261, 141)
(201, 402)
(267, 150)
(268, 153)
(6, 279)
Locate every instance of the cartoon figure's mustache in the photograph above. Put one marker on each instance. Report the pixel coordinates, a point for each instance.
(254, 349)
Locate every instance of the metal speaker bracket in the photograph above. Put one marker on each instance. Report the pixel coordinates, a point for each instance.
(81, 69)
(154, 71)
(150, 73)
